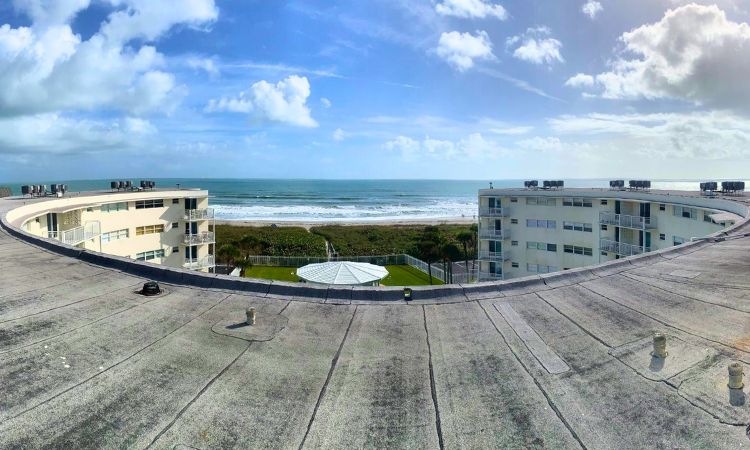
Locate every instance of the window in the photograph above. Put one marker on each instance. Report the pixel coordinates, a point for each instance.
(541, 246)
(114, 235)
(149, 229)
(687, 213)
(148, 256)
(514, 243)
(604, 227)
(586, 251)
(604, 253)
(514, 221)
(514, 264)
(676, 240)
(146, 204)
(531, 200)
(175, 201)
(175, 224)
(175, 249)
(603, 202)
(541, 201)
(514, 200)
(114, 207)
(576, 226)
(89, 209)
(662, 237)
(585, 202)
(551, 247)
(662, 207)
(539, 268)
(536, 223)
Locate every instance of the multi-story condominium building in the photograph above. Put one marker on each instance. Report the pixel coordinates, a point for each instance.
(531, 231)
(169, 227)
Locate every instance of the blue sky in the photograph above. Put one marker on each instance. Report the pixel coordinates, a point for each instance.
(464, 89)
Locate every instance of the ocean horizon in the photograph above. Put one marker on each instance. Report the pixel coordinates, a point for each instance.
(301, 200)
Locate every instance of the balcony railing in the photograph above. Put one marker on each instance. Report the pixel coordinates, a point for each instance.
(199, 214)
(206, 237)
(621, 248)
(489, 276)
(497, 235)
(493, 256)
(492, 212)
(199, 263)
(626, 221)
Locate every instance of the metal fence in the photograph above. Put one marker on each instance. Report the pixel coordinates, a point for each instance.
(466, 276)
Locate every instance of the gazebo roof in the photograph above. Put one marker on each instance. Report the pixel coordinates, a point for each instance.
(342, 272)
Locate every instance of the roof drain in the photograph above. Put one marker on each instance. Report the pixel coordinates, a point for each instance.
(660, 346)
(735, 376)
(150, 288)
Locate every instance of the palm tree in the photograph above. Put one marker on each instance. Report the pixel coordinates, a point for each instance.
(248, 244)
(228, 254)
(474, 228)
(429, 252)
(465, 238)
(450, 252)
(243, 264)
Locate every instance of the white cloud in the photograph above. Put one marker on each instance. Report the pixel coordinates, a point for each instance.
(591, 9)
(702, 135)
(473, 146)
(580, 80)
(536, 46)
(461, 49)
(693, 53)
(325, 102)
(55, 134)
(471, 9)
(46, 68)
(339, 135)
(206, 64)
(284, 102)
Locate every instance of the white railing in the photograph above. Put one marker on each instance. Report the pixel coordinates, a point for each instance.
(492, 212)
(199, 263)
(76, 235)
(199, 214)
(626, 221)
(493, 256)
(206, 237)
(490, 233)
(621, 248)
(489, 276)
(53, 234)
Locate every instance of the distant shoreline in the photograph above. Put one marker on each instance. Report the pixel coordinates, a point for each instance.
(387, 222)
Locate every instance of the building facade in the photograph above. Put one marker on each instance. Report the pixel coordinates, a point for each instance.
(533, 231)
(169, 227)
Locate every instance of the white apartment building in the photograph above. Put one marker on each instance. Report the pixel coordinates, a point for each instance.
(169, 227)
(532, 231)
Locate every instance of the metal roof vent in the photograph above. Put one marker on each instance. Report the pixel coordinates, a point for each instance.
(150, 288)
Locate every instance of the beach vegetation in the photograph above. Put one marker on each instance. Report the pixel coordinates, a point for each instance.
(271, 241)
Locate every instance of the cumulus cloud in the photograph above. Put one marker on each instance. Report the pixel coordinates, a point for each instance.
(473, 146)
(283, 102)
(536, 46)
(693, 53)
(580, 80)
(339, 135)
(461, 49)
(471, 9)
(46, 68)
(591, 9)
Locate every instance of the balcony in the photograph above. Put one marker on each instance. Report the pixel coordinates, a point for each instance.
(492, 234)
(199, 263)
(485, 255)
(626, 221)
(492, 212)
(489, 276)
(621, 248)
(206, 237)
(199, 214)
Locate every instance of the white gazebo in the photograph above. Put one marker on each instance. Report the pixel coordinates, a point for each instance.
(343, 273)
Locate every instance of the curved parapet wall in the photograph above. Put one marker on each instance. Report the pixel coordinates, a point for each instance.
(12, 219)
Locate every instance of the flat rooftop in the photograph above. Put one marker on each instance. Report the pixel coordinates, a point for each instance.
(558, 361)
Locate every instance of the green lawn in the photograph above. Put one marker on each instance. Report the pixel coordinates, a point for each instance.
(272, 273)
(397, 275)
(407, 276)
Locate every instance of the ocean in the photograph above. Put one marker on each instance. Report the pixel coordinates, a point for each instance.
(343, 200)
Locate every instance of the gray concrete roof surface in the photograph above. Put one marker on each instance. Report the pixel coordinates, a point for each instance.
(561, 361)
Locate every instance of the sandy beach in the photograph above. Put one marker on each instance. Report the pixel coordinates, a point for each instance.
(308, 224)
